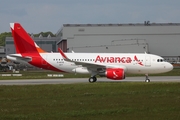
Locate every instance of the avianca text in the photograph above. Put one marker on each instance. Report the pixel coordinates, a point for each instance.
(113, 59)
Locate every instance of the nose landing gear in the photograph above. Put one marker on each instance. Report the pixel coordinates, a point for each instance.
(147, 78)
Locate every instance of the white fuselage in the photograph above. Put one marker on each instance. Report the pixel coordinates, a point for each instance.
(142, 64)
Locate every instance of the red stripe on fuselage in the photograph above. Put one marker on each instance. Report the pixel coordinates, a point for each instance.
(40, 62)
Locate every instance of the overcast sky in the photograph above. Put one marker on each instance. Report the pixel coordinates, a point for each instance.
(49, 15)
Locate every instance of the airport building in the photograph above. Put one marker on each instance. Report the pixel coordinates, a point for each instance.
(157, 38)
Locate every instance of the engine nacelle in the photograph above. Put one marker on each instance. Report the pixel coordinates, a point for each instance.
(115, 73)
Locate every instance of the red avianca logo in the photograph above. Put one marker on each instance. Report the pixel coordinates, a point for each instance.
(117, 60)
(113, 59)
(138, 61)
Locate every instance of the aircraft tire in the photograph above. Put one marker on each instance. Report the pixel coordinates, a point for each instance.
(92, 79)
(147, 80)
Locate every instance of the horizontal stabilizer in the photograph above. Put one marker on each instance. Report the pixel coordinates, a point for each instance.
(17, 57)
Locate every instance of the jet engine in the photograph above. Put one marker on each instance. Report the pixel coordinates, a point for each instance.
(114, 73)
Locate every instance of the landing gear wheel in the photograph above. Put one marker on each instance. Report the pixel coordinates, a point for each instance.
(92, 79)
(147, 80)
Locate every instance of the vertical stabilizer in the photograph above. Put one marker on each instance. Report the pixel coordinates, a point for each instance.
(23, 42)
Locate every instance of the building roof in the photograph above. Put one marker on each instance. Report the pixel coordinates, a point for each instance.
(129, 24)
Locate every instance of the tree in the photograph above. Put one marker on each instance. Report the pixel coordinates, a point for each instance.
(3, 37)
(44, 34)
(9, 34)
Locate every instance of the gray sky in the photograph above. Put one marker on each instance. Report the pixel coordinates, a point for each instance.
(49, 15)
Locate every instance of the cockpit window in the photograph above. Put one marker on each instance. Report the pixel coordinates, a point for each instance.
(160, 60)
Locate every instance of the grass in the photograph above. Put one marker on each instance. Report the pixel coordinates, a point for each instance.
(43, 74)
(40, 75)
(174, 72)
(125, 101)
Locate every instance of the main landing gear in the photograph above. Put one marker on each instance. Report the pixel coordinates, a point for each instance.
(92, 79)
(147, 78)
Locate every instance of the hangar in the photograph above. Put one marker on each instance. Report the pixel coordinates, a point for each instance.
(157, 38)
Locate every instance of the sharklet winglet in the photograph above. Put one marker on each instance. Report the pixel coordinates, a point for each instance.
(63, 55)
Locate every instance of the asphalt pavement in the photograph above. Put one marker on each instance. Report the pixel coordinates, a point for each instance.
(85, 80)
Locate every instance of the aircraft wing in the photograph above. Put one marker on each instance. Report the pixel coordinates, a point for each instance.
(91, 66)
(77, 62)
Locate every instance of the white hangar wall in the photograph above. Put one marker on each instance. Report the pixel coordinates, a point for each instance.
(161, 39)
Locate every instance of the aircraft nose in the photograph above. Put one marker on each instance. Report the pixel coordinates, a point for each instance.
(169, 66)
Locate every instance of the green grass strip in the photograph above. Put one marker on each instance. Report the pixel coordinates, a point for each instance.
(125, 101)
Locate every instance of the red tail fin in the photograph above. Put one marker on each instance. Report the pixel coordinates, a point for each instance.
(23, 42)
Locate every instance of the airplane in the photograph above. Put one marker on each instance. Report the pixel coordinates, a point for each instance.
(114, 66)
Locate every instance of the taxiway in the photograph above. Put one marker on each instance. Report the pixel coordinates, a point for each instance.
(85, 80)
